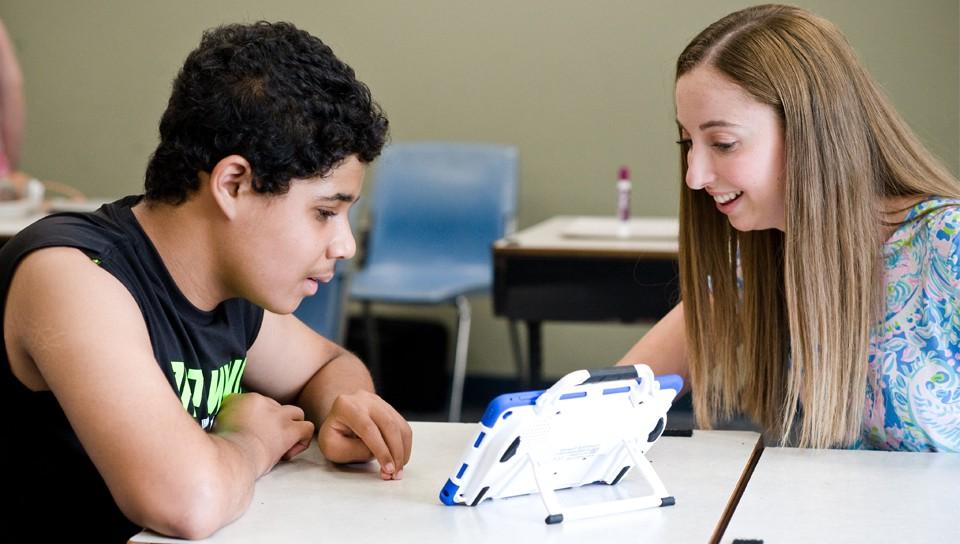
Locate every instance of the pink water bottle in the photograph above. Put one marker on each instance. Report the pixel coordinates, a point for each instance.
(623, 201)
(4, 165)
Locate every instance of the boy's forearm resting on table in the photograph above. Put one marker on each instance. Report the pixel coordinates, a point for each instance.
(251, 435)
(220, 499)
(353, 423)
(345, 373)
(216, 493)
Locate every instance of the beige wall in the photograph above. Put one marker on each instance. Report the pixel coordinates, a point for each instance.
(581, 87)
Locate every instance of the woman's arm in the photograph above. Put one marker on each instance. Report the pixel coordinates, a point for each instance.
(12, 109)
(663, 348)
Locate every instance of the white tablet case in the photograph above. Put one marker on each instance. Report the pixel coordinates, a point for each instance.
(589, 427)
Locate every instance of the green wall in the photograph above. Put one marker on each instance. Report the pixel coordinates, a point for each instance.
(580, 87)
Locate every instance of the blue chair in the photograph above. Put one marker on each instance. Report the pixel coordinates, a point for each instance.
(324, 311)
(434, 212)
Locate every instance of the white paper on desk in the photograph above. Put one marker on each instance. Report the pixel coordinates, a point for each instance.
(88, 205)
(610, 228)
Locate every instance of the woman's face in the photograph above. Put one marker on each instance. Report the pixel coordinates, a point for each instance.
(734, 148)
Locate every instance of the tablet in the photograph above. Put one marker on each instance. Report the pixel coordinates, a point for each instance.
(591, 427)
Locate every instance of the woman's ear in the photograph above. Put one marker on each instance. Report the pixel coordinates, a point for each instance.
(229, 179)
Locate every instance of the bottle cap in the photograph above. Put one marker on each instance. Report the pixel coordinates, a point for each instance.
(624, 172)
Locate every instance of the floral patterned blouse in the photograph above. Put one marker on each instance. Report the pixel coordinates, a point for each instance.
(913, 381)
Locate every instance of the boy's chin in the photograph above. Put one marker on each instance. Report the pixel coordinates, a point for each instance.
(281, 307)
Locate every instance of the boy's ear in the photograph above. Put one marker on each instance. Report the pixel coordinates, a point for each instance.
(230, 178)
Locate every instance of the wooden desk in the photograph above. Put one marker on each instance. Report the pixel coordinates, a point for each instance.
(548, 273)
(310, 500)
(807, 495)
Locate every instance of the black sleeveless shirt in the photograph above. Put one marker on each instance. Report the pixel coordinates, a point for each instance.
(51, 483)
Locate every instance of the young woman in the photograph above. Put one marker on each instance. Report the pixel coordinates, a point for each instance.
(818, 245)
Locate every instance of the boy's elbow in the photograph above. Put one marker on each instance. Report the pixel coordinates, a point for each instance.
(189, 525)
(192, 512)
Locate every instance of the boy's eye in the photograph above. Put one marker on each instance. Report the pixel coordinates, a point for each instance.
(325, 214)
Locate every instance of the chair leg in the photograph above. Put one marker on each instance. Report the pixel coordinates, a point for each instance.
(523, 376)
(373, 346)
(460, 358)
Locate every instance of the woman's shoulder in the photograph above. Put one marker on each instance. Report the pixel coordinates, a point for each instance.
(934, 221)
(927, 241)
(935, 209)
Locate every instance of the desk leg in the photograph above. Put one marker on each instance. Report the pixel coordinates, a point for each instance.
(523, 373)
(373, 346)
(534, 348)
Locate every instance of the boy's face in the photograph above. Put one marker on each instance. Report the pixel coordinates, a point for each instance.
(293, 241)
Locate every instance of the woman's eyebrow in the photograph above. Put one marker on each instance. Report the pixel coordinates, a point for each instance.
(709, 124)
(713, 124)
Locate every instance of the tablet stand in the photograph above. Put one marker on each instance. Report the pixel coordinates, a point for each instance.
(590, 427)
(556, 513)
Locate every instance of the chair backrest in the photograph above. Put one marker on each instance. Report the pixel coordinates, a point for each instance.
(442, 201)
(325, 312)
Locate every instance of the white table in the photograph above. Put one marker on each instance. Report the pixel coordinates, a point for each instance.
(644, 237)
(10, 226)
(805, 495)
(311, 500)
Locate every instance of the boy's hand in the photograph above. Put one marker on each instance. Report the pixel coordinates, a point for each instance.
(362, 426)
(272, 431)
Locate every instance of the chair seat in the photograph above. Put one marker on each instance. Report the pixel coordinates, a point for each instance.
(425, 283)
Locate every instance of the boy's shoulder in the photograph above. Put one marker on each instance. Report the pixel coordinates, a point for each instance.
(91, 232)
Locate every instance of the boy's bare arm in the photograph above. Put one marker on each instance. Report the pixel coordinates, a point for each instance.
(73, 328)
(291, 362)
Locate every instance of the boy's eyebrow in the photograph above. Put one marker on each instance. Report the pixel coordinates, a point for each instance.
(339, 197)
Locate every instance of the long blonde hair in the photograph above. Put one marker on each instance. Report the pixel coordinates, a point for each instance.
(796, 332)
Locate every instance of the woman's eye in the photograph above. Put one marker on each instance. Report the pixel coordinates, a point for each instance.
(724, 146)
(685, 143)
(323, 215)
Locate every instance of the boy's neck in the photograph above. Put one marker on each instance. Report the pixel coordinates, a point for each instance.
(183, 237)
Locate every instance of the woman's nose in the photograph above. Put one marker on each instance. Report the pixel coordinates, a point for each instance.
(699, 170)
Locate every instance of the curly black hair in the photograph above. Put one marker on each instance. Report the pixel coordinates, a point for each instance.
(268, 92)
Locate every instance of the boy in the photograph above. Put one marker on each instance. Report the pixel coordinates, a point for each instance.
(129, 332)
